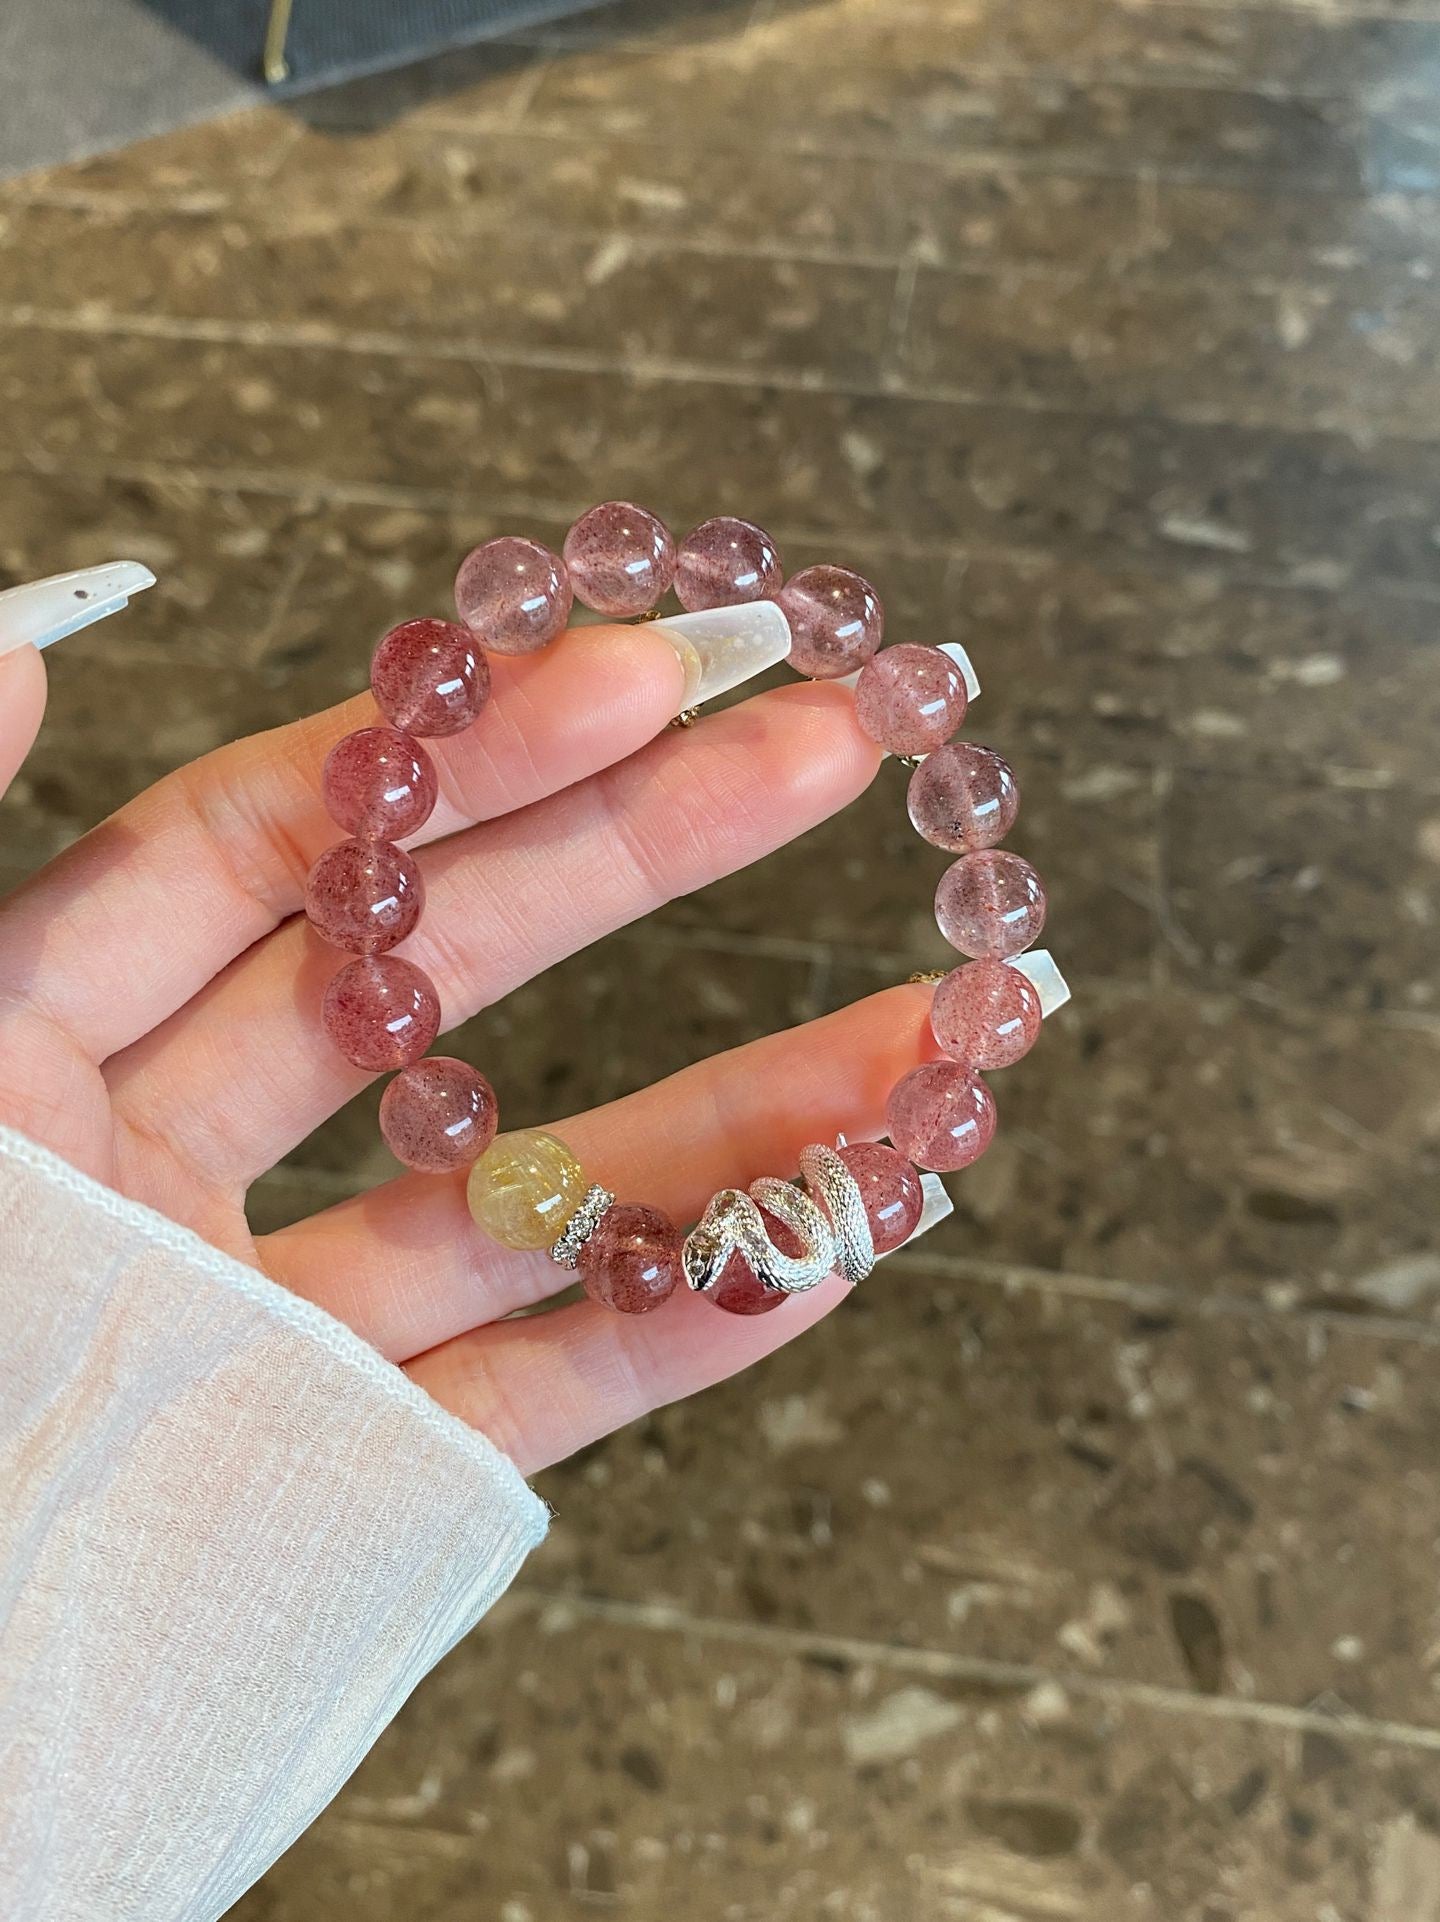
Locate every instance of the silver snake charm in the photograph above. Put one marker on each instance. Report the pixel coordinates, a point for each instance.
(829, 1222)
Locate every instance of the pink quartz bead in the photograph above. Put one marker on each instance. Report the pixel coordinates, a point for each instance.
(963, 797)
(379, 784)
(364, 896)
(438, 1115)
(381, 1012)
(430, 677)
(621, 558)
(836, 621)
(738, 1290)
(890, 1189)
(941, 1116)
(631, 1261)
(986, 1014)
(726, 561)
(910, 700)
(990, 903)
(514, 595)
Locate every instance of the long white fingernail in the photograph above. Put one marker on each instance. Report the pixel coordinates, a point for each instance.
(44, 611)
(936, 1206)
(721, 647)
(1039, 969)
(966, 666)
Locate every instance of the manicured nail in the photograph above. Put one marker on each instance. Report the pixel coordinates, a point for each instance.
(1038, 967)
(966, 666)
(722, 647)
(48, 610)
(936, 1206)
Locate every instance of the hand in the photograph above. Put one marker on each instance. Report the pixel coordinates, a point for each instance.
(160, 1009)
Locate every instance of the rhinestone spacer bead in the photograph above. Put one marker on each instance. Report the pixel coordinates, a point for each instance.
(581, 1225)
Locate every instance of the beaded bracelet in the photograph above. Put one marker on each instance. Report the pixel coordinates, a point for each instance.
(856, 1201)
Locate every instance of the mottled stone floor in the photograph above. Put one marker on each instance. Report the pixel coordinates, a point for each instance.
(1085, 1570)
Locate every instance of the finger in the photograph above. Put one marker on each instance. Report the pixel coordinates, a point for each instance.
(36, 615)
(213, 857)
(234, 1081)
(543, 1386)
(407, 1268)
(22, 708)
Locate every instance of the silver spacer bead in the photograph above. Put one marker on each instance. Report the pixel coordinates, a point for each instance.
(581, 1225)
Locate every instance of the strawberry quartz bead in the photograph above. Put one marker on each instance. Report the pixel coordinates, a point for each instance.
(381, 1012)
(990, 904)
(631, 1260)
(379, 784)
(986, 1014)
(438, 1115)
(963, 797)
(941, 1116)
(726, 561)
(890, 1189)
(364, 896)
(621, 558)
(738, 1290)
(514, 595)
(836, 621)
(429, 677)
(910, 700)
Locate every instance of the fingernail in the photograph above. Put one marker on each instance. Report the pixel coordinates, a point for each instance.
(722, 647)
(1039, 969)
(936, 1206)
(44, 611)
(966, 666)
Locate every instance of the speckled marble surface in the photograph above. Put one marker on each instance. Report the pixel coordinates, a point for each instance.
(1086, 1569)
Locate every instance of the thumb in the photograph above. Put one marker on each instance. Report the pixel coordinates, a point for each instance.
(33, 616)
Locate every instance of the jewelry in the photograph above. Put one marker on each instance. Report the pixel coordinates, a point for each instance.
(855, 1202)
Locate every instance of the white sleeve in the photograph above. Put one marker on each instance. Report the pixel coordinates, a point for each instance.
(232, 1540)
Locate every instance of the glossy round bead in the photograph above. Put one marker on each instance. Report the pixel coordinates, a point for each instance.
(725, 561)
(890, 1189)
(836, 621)
(381, 1012)
(990, 903)
(738, 1290)
(631, 1261)
(621, 558)
(429, 677)
(438, 1115)
(364, 896)
(514, 595)
(524, 1188)
(910, 700)
(941, 1116)
(963, 797)
(379, 784)
(986, 1014)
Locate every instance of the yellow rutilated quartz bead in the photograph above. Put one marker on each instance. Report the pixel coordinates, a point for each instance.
(524, 1188)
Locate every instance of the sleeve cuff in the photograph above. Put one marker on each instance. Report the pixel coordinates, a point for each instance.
(234, 1539)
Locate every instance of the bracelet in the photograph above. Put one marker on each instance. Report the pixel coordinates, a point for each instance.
(853, 1202)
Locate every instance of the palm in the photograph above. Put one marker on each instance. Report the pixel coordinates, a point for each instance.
(159, 1002)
